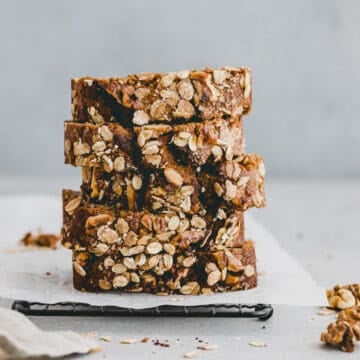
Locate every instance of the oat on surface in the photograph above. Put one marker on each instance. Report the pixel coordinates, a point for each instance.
(128, 341)
(207, 346)
(91, 334)
(257, 343)
(191, 354)
(106, 338)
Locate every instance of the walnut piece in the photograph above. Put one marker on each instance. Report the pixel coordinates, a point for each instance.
(344, 296)
(342, 334)
(350, 314)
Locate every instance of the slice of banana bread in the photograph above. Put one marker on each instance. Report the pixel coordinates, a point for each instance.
(169, 97)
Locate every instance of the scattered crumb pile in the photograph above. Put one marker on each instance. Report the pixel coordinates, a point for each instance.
(166, 343)
(41, 240)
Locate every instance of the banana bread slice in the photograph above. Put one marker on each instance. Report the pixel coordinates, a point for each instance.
(167, 273)
(145, 98)
(102, 228)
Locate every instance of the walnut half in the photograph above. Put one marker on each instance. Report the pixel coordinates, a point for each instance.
(342, 334)
(344, 296)
(345, 330)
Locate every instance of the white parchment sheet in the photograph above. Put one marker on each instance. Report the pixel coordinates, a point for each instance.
(21, 339)
(282, 279)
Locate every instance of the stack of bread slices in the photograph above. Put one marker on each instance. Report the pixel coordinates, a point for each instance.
(165, 183)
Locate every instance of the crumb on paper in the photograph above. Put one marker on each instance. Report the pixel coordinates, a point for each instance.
(41, 240)
(90, 334)
(256, 343)
(164, 343)
(326, 311)
(106, 338)
(175, 299)
(144, 339)
(95, 350)
(48, 273)
(128, 341)
(207, 346)
(191, 354)
(20, 249)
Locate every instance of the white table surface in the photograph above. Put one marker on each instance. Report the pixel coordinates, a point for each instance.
(317, 222)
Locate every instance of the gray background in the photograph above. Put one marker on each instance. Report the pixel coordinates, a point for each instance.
(305, 56)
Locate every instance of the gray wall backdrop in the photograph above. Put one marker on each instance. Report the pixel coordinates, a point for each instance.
(305, 56)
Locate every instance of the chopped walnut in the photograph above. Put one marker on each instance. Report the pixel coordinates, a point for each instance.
(342, 297)
(350, 314)
(345, 330)
(354, 289)
(342, 334)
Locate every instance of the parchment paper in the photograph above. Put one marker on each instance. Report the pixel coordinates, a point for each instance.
(282, 279)
(21, 339)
